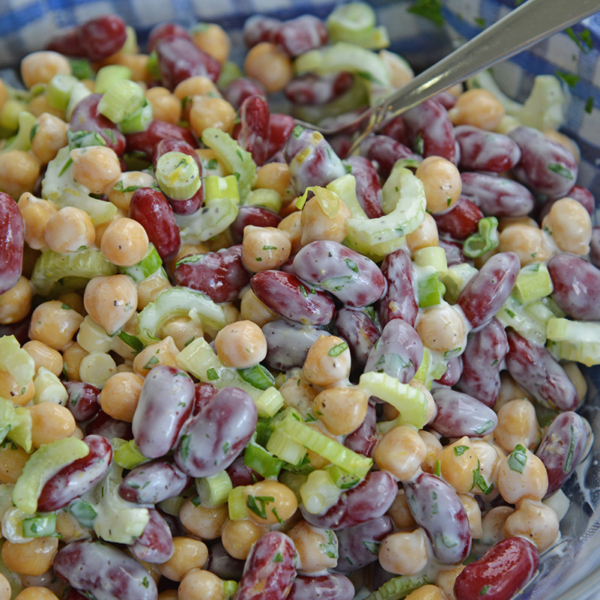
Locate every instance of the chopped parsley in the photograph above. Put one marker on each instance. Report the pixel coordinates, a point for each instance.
(518, 459)
(337, 350)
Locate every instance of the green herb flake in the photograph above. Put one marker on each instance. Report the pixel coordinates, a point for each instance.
(258, 504)
(269, 247)
(66, 166)
(297, 131)
(460, 450)
(212, 374)
(481, 22)
(437, 471)
(145, 582)
(428, 9)
(303, 291)
(589, 105)
(347, 168)
(226, 447)
(278, 558)
(212, 164)
(337, 350)
(483, 428)
(418, 145)
(569, 462)
(518, 459)
(152, 361)
(372, 547)
(569, 78)
(510, 313)
(351, 265)
(560, 170)
(484, 590)
(184, 446)
(196, 501)
(132, 341)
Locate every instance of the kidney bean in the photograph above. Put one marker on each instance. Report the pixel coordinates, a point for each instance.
(500, 573)
(485, 151)
(359, 545)
(259, 28)
(252, 215)
(436, 508)
(584, 197)
(83, 400)
(253, 134)
(312, 89)
(300, 35)
(595, 247)
(399, 301)
(20, 330)
(454, 253)
(242, 88)
(536, 371)
(286, 295)
(95, 39)
(153, 482)
(155, 545)
(396, 129)
(145, 141)
(483, 296)
(203, 393)
(576, 286)
(369, 500)
(324, 587)
(108, 427)
(430, 131)
(288, 343)
(166, 30)
(270, 569)
(280, 129)
(368, 188)
(482, 360)
(386, 152)
(460, 221)
(104, 571)
(73, 594)
(216, 436)
(165, 404)
(240, 474)
(497, 196)
(78, 477)
(342, 144)
(222, 564)
(364, 439)
(446, 99)
(86, 117)
(12, 240)
(454, 370)
(360, 332)
(459, 414)
(562, 448)
(545, 165)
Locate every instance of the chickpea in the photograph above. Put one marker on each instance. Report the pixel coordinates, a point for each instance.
(517, 424)
(213, 40)
(493, 524)
(341, 409)
(73, 354)
(5, 591)
(433, 448)
(479, 108)
(154, 355)
(526, 242)
(9, 389)
(15, 303)
(125, 242)
(19, 172)
(12, 462)
(149, 289)
(201, 584)
(119, 397)
(138, 63)
(292, 225)
(102, 227)
(241, 345)
(570, 226)
(183, 331)
(425, 236)
(50, 136)
(506, 222)
(515, 486)
(41, 67)
(252, 309)
(479, 261)
(473, 515)
(400, 71)
(36, 213)
(571, 369)
(265, 248)
(165, 106)
(219, 242)
(188, 554)
(446, 579)
(427, 592)
(565, 141)
(74, 300)
(400, 512)
(509, 390)
(273, 176)
(298, 394)
(130, 180)
(442, 328)
(458, 461)
(50, 422)
(281, 509)
(195, 86)
(535, 522)
(96, 167)
(54, 324)
(442, 183)
(36, 593)
(315, 460)
(211, 112)
(168, 595)
(39, 105)
(110, 301)
(404, 553)
(489, 460)
(238, 537)
(205, 523)
(270, 66)
(44, 356)
(69, 527)
(69, 230)
(401, 452)
(31, 558)
(325, 364)
(316, 225)
(315, 547)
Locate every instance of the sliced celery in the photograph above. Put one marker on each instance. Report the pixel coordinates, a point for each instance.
(319, 492)
(574, 340)
(533, 283)
(207, 222)
(410, 401)
(529, 321)
(423, 371)
(328, 200)
(139, 121)
(376, 252)
(81, 68)
(59, 90)
(146, 267)
(345, 189)
(398, 588)
(84, 512)
(484, 240)
(41, 525)
(16, 361)
(108, 75)
(269, 402)
(433, 256)
(229, 588)
(49, 388)
(456, 280)
(214, 490)
(172, 506)
(342, 478)
(236, 503)
(178, 175)
(283, 447)
(78, 92)
(269, 199)
(84, 139)
(121, 100)
(41, 466)
(229, 72)
(22, 141)
(349, 20)
(428, 288)
(20, 432)
(262, 461)
(219, 188)
(128, 455)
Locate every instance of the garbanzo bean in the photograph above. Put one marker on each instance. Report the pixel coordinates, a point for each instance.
(5, 591)
(280, 509)
(433, 448)
(73, 354)
(188, 554)
(15, 303)
(36, 213)
(458, 461)
(124, 243)
(446, 579)
(12, 462)
(154, 355)
(528, 243)
(241, 345)
(316, 225)
(341, 409)
(44, 356)
(292, 225)
(50, 422)
(325, 364)
(535, 522)
(509, 390)
(404, 553)
(183, 330)
(265, 248)
(427, 592)
(424, 236)
(442, 328)
(252, 309)
(39, 105)
(493, 524)
(93, 338)
(270, 66)
(238, 537)
(479, 108)
(201, 584)
(401, 452)
(518, 481)
(400, 71)
(400, 512)
(74, 300)
(298, 394)
(120, 395)
(96, 167)
(36, 593)
(441, 181)
(205, 523)
(473, 514)
(50, 136)
(489, 459)
(41, 67)
(317, 548)
(123, 189)
(69, 230)
(31, 558)
(165, 106)
(9, 389)
(570, 226)
(102, 227)
(150, 288)
(212, 39)
(517, 424)
(195, 86)
(110, 301)
(273, 176)
(211, 112)
(54, 324)
(18, 172)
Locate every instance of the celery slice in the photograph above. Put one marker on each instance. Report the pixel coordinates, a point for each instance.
(178, 175)
(20, 432)
(410, 401)
(456, 280)
(146, 267)
(428, 288)
(218, 188)
(484, 240)
(376, 252)
(283, 447)
(319, 492)
(84, 512)
(229, 72)
(139, 121)
(16, 361)
(41, 466)
(108, 75)
(423, 372)
(122, 99)
(84, 139)
(533, 283)
(178, 302)
(49, 388)
(236, 503)
(398, 588)
(41, 525)
(22, 141)
(214, 490)
(345, 189)
(207, 222)
(574, 340)
(59, 90)
(269, 402)
(269, 199)
(529, 321)
(262, 461)
(128, 455)
(350, 20)
(433, 256)
(342, 478)
(78, 92)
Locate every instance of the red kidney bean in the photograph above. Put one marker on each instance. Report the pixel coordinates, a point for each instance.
(368, 188)
(536, 371)
(545, 165)
(242, 88)
(86, 117)
(12, 241)
(220, 275)
(288, 343)
(483, 296)
(454, 253)
(595, 247)
(270, 569)
(240, 474)
(430, 131)
(446, 99)
(108, 427)
(297, 36)
(584, 197)
(360, 332)
(454, 370)
(78, 477)
(155, 545)
(164, 405)
(20, 330)
(280, 129)
(352, 278)
(399, 301)
(145, 141)
(497, 196)
(288, 266)
(482, 360)
(150, 208)
(500, 573)
(324, 587)
(153, 482)
(485, 151)
(95, 39)
(253, 134)
(576, 286)
(359, 545)
(436, 508)
(83, 400)
(252, 215)
(104, 571)
(73, 594)
(222, 564)
(460, 414)
(312, 89)
(460, 221)
(204, 392)
(259, 28)
(369, 500)
(562, 448)
(342, 144)
(166, 30)
(216, 436)
(385, 151)
(364, 439)
(398, 352)
(287, 296)
(396, 129)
